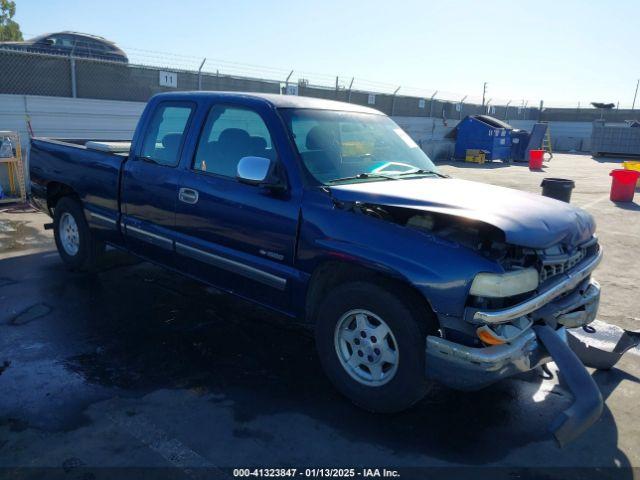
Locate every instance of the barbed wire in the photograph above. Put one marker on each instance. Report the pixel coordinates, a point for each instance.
(213, 65)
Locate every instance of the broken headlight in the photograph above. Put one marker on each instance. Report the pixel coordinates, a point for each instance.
(500, 285)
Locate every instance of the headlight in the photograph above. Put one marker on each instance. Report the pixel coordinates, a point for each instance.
(499, 285)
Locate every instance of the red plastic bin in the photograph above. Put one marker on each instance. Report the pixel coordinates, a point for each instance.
(623, 185)
(535, 159)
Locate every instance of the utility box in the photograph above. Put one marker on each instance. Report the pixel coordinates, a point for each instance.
(615, 138)
(483, 132)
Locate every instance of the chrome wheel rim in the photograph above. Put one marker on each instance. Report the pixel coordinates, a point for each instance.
(366, 347)
(69, 236)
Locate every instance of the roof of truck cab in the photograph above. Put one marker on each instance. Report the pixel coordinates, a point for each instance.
(278, 101)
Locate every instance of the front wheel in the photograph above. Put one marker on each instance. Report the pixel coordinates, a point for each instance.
(371, 341)
(77, 246)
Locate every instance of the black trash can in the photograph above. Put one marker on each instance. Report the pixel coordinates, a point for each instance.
(558, 188)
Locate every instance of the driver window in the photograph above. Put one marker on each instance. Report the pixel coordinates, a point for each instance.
(229, 134)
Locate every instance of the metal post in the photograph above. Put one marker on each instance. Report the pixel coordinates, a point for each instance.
(200, 74)
(337, 86)
(461, 107)
(431, 103)
(635, 95)
(484, 92)
(506, 111)
(350, 85)
(286, 82)
(541, 108)
(74, 86)
(393, 101)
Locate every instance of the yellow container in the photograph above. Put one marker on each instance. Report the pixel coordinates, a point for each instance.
(475, 156)
(633, 166)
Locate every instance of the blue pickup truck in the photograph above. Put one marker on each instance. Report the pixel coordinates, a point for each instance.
(330, 214)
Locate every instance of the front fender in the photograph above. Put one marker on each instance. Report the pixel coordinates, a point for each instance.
(441, 270)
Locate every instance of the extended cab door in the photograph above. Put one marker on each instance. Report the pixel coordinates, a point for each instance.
(150, 182)
(239, 237)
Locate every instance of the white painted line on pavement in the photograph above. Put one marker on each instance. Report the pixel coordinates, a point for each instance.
(171, 449)
(591, 204)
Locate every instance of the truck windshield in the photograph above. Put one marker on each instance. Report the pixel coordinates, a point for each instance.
(346, 147)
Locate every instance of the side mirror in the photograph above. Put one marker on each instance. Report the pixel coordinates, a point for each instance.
(259, 171)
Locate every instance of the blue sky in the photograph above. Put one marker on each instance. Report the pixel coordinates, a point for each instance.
(562, 51)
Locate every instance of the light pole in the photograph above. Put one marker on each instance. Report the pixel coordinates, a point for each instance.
(635, 95)
(484, 92)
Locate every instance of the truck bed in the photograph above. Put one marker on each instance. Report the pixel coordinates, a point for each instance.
(67, 163)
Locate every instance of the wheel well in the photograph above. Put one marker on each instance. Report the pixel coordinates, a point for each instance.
(57, 190)
(331, 274)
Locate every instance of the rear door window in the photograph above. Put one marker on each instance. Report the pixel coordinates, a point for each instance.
(165, 133)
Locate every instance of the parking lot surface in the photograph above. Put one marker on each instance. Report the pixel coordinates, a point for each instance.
(137, 367)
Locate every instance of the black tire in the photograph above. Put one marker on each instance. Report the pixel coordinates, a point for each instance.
(408, 321)
(89, 248)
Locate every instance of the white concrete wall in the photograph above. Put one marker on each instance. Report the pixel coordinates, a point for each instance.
(61, 117)
(69, 117)
(565, 136)
(66, 118)
(430, 134)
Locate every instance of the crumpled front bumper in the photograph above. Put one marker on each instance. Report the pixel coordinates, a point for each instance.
(471, 368)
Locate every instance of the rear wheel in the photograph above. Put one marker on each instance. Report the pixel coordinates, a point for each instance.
(371, 342)
(77, 246)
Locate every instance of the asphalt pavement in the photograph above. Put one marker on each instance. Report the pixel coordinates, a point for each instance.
(135, 368)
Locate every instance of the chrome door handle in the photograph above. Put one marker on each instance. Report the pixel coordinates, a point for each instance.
(188, 195)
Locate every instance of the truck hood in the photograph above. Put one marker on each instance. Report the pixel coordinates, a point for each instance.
(526, 219)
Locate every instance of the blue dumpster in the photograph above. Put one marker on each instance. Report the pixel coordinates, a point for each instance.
(484, 133)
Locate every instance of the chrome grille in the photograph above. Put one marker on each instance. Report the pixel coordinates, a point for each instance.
(560, 258)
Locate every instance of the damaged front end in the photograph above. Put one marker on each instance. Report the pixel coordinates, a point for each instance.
(523, 331)
(519, 315)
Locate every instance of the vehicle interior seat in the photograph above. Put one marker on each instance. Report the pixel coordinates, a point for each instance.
(323, 155)
(170, 148)
(258, 146)
(232, 145)
(222, 156)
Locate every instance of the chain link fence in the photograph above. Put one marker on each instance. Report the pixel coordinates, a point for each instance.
(26, 73)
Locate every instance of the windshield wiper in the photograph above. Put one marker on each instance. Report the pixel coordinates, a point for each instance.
(422, 171)
(362, 175)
